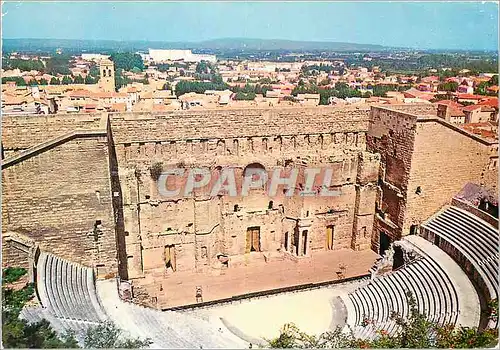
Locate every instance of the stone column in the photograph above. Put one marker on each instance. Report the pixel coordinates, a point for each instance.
(304, 224)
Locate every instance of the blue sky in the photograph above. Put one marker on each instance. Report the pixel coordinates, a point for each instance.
(422, 25)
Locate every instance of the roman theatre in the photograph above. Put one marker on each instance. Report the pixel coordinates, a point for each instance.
(416, 211)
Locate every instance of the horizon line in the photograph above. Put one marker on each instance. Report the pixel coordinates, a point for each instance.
(253, 38)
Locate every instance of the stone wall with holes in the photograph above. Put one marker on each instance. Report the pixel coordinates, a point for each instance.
(61, 199)
(445, 158)
(391, 134)
(425, 161)
(22, 132)
(211, 225)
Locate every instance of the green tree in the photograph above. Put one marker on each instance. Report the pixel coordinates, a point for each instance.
(24, 65)
(202, 67)
(120, 79)
(58, 64)
(416, 332)
(79, 80)
(94, 71)
(66, 80)
(493, 80)
(17, 333)
(217, 79)
(135, 70)
(127, 61)
(241, 96)
(107, 335)
(54, 81)
(381, 90)
(43, 81)
(448, 86)
(18, 80)
(90, 80)
(199, 87)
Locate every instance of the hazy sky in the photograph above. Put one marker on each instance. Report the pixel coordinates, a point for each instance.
(422, 25)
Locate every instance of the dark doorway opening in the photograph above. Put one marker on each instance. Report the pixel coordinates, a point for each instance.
(304, 242)
(398, 258)
(413, 229)
(253, 239)
(488, 207)
(296, 238)
(384, 242)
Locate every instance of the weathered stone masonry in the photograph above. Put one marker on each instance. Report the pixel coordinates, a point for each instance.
(82, 187)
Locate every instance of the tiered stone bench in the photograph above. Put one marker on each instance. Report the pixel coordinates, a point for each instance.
(441, 290)
(167, 329)
(471, 242)
(69, 299)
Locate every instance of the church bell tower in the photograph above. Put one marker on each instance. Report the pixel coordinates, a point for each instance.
(107, 72)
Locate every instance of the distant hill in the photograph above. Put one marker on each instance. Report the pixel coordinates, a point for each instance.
(289, 45)
(241, 44)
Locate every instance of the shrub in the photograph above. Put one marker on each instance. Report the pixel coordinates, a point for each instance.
(156, 170)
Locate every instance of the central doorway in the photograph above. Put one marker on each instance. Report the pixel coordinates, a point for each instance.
(253, 239)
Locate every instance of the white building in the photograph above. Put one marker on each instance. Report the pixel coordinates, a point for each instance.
(178, 55)
(93, 57)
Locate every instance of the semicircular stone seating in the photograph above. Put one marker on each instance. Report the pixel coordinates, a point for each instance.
(67, 290)
(70, 298)
(67, 294)
(166, 329)
(430, 286)
(475, 239)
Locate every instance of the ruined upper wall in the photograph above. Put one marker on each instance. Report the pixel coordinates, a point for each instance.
(445, 158)
(61, 199)
(418, 109)
(25, 131)
(187, 125)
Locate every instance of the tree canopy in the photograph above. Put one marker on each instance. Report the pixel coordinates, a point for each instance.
(18, 80)
(203, 67)
(241, 96)
(23, 65)
(127, 61)
(448, 86)
(58, 64)
(199, 87)
(17, 333)
(416, 331)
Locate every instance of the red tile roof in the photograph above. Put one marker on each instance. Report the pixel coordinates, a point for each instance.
(470, 97)
(492, 102)
(119, 107)
(80, 93)
(450, 103)
(483, 108)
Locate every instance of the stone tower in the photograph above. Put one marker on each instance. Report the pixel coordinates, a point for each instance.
(107, 79)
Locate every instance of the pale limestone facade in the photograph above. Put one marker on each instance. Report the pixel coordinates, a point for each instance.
(81, 186)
